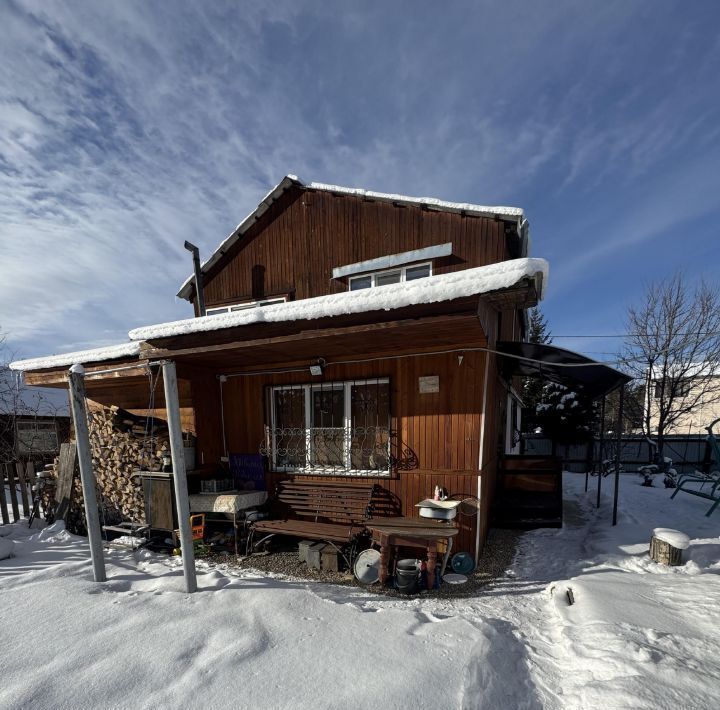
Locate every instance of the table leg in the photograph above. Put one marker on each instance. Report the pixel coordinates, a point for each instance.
(447, 555)
(384, 559)
(431, 562)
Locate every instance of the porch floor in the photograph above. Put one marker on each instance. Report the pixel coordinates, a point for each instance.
(496, 558)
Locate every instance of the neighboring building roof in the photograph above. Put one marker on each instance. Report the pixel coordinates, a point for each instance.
(82, 357)
(513, 214)
(690, 370)
(432, 289)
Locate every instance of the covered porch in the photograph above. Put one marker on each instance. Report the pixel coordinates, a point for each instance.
(402, 394)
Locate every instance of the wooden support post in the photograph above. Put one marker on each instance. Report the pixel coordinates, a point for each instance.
(10, 469)
(20, 467)
(82, 438)
(600, 452)
(177, 452)
(3, 500)
(617, 454)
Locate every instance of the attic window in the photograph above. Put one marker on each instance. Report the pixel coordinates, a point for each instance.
(244, 306)
(393, 261)
(390, 276)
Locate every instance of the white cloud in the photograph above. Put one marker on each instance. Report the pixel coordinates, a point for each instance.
(129, 127)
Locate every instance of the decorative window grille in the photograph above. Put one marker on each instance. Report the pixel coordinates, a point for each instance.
(332, 428)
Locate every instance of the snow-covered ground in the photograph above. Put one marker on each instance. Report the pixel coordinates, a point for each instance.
(638, 636)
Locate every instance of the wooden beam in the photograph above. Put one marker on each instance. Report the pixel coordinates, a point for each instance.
(87, 477)
(58, 377)
(150, 352)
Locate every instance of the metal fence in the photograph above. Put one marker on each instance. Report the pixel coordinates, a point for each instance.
(688, 452)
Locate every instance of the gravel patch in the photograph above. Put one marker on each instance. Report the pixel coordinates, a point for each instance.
(284, 562)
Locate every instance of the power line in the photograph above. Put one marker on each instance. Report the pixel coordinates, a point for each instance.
(631, 335)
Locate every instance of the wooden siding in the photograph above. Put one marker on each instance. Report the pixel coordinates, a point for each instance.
(441, 430)
(295, 245)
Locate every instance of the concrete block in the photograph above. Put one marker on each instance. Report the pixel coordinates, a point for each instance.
(330, 561)
(303, 546)
(314, 554)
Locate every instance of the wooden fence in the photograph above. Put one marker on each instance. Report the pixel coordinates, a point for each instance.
(16, 482)
(688, 452)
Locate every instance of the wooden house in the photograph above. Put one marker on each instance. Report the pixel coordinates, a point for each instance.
(347, 333)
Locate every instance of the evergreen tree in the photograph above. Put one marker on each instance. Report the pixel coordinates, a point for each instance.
(564, 416)
(538, 332)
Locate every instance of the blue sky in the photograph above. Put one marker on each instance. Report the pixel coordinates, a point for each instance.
(128, 127)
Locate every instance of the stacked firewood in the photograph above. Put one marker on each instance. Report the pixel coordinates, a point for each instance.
(121, 444)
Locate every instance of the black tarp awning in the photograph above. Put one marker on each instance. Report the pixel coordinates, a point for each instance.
(575, 371)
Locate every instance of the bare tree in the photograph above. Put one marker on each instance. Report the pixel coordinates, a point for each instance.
(673, 348)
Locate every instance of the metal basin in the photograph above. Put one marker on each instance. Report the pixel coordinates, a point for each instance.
(438, 509)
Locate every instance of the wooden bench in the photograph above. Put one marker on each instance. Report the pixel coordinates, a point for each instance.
(329, 511)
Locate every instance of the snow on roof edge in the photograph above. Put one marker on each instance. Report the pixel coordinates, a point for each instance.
(432, 289)
(108, 352)
(432, 202)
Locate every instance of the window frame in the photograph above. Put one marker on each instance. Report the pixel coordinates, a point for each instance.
(245, 305)
(403, 274)
(309, 468)
(33, 428)
(682, 388)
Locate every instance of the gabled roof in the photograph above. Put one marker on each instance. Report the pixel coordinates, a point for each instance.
(511, 214)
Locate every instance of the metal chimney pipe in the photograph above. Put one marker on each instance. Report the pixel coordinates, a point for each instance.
(198, 276)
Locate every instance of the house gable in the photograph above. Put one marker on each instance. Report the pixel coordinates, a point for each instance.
(292, 248)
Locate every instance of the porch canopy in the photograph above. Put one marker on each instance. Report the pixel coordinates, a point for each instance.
(575, 372)
(568, 368)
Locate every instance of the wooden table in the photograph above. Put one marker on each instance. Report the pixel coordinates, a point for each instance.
(410, 532)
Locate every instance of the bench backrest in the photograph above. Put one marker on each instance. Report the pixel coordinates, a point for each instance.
(337, 502)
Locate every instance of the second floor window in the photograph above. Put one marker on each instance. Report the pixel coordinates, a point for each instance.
(243, 306)
(682, 388)
(390, 276)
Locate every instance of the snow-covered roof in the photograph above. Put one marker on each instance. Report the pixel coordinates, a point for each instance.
(514, 214)
(108, 352)
(432, 289)
(687, 370)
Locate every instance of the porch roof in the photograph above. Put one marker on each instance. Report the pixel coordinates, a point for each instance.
(106, 353)
(435, 312)
(433, 289)
(565, 367)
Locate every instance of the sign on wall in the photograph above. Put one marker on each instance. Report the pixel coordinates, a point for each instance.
(429, 384)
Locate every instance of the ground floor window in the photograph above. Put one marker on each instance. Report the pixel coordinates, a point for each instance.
(34, 437)
(330, 427)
